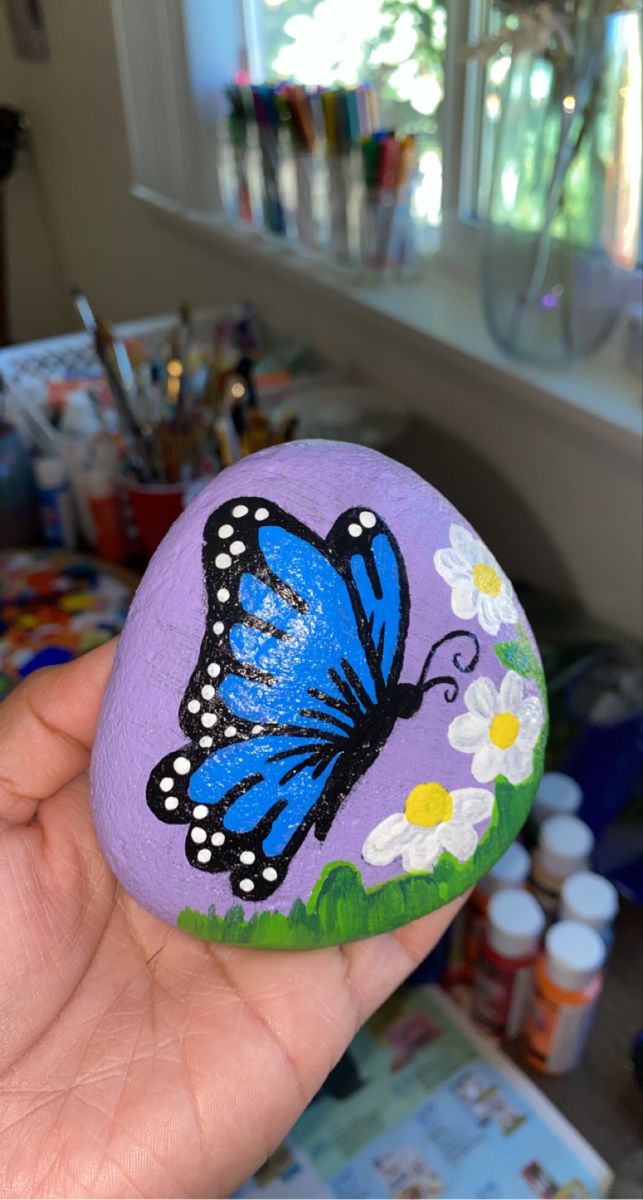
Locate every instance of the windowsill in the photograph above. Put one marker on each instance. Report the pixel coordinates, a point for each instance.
(443, 310)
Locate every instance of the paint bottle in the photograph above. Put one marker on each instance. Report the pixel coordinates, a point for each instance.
(567, 984)
(504, 972)
(592, 900)
(558, 795)
(510, 871)
(56, 503)
(109, 534)
(564, 847)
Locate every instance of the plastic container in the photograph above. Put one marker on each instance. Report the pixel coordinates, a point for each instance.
(592, 900)
(564, 847)
(56, 503)
(510, 871)
(567, 984)
(558, 795)
(156, 506)
(110, 539)
(504, 973)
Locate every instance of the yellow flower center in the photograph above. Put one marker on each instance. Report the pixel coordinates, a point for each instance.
(504, 730)
(486, 579)
(428, 804)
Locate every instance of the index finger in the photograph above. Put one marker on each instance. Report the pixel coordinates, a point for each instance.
(47, 728)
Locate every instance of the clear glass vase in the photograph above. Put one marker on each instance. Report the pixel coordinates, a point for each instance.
(563, 224)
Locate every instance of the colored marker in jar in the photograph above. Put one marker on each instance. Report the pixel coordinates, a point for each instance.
(504, 973)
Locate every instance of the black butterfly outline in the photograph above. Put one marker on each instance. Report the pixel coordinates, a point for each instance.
(357, 727)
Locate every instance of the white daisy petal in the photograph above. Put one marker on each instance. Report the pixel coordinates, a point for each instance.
(464, 599)
(423, 852)
(487, 763)
(460, 840)
(464, 542)
(531, 716)
(506, 606)
(468, 733)
(481, 697)
(471, 805)
(487, 614)
(511, 692)
(451, 566)
(517, 764)
(386, 841)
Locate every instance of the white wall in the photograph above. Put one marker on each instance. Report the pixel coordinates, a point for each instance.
(93, 235)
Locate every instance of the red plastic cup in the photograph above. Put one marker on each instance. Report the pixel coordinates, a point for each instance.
(156, 506)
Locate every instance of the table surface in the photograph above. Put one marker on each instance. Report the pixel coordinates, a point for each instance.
(601, 1097)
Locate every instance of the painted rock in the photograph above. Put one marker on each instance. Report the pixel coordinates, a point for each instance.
(327, 715)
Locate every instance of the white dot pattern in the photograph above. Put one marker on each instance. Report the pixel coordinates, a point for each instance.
(205, 742)
(207, 692)
(171, 803)
(270, 874)
(217, 839)
(246, 857)
(223, 595)
(181, 765)
(198, 835)
(355, 530)
(237, 547)
(225, 531)
(213, 670)
(208, 720)
(166, 784)
(230, 730)
(193, 706)
(367, 519)
(200, 811)
(205, 855)
(222, 561)
(247, 885)
(261, 514)
(240, 510)
(218, 627)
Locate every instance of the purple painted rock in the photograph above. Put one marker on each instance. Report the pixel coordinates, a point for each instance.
(327, 715)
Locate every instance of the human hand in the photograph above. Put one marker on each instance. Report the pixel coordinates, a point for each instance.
(136, 1060)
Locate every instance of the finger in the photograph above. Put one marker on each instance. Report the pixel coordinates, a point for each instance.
(47, 727)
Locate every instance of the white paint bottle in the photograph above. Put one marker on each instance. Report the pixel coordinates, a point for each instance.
(558, 795)
(564, 847)
(592, 900)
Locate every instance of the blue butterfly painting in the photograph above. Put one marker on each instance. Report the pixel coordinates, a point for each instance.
(296, 689)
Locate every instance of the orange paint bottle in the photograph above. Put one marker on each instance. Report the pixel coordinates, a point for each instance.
(567, 984)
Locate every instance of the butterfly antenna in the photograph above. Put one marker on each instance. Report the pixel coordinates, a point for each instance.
(465, 667)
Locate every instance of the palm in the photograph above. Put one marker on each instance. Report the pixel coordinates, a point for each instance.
(136, 1060)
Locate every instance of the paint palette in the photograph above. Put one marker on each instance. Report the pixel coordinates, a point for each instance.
(327, 715)
(55, 605)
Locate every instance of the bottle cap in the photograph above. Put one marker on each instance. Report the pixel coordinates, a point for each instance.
(510, 871)
(590, 899)
(515, 922)
(564, 846)
(50, 472)
(574, 953)
(557, 795)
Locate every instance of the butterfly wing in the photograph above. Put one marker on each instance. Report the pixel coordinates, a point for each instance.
(369, 559)
(302, 639)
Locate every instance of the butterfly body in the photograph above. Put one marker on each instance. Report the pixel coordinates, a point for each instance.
(296, 688)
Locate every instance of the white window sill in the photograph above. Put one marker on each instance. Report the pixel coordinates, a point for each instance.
(438, 313)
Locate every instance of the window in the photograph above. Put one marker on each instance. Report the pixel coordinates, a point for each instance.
(177, 56)
(399, 45)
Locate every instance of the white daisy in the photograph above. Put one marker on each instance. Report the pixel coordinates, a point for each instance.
(479, 588)
(434, 820)
(500, 728)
